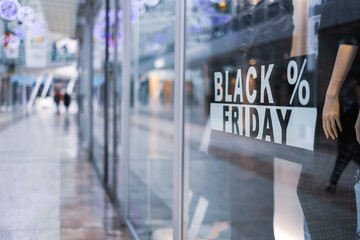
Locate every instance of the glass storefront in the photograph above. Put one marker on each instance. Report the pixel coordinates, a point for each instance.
(269, 116)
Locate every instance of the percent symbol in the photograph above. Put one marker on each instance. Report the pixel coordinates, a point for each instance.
(300, 84)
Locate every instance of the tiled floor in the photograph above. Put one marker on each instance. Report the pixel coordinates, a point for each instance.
(49, 190)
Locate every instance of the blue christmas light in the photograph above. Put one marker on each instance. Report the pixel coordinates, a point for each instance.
(20, 32)
(217, 1)
(112, 17)
(9, 9)
(160, 38)
(119, 14)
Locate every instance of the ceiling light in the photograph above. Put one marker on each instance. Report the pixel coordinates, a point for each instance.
(159, 63)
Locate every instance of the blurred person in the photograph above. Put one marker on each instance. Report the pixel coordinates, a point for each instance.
(67, 101)
(57, 100)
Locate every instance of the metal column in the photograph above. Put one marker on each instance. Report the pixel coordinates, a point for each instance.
(106, 103)
(115, 105)
(179, 85)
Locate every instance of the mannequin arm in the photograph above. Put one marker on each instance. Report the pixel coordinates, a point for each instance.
(357, 128)
(216, 230)
(331, 112)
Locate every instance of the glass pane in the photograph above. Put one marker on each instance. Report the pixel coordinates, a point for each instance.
(99, 34)
(258, 75)
(118, 88)
(151, 118)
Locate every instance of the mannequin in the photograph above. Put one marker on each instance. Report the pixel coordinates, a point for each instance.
(341, 24)
(331, 114)
(332, 214)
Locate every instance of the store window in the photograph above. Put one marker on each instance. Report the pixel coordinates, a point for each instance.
(267, 81)
(151, 118)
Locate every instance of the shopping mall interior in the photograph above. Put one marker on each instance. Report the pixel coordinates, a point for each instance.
(179, 119)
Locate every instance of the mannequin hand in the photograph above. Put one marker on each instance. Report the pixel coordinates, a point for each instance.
(357, 128)
(331, 113)
(331, 116)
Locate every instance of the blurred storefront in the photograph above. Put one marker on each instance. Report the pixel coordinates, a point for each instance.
(205, 118)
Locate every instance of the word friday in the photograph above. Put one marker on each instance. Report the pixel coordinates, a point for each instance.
(292, 126)
(260, 122)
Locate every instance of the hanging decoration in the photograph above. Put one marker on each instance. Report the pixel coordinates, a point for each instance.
(26, 15)
(138, 2)
(134, 12)
(151, 3)
(137, 9)
(9, 9)
(142, 10)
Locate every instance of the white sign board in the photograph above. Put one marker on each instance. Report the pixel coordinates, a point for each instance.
(35, 51)
(247, 103)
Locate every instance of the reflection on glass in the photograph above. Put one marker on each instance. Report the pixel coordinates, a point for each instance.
(151, 119)
(116, 89)
(99, 33)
